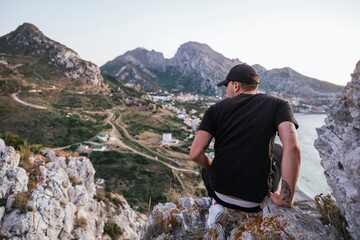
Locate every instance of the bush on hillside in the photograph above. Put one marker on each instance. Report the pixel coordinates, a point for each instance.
(23, 146)
(331, 214)
(113, 230)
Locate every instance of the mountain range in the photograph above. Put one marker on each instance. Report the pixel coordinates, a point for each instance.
(197, 68)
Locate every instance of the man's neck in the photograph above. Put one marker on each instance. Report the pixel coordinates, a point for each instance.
(246, 92)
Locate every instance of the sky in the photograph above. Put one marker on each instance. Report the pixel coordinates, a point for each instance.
(317, 38)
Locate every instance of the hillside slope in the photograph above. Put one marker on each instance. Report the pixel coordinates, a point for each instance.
(27, 48)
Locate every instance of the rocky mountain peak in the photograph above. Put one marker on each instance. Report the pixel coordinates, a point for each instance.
(27, 40)
(194, 52)
(28, 29)
(27, 37)
(145, 57)
(259, 69)
(195, 46)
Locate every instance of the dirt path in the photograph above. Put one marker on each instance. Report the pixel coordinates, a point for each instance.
(150, 150)
(17, 99)
(14, 95)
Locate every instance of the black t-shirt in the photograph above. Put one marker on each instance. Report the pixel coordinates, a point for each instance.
(244, 129)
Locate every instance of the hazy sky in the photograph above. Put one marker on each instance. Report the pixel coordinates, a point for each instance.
(318, 38)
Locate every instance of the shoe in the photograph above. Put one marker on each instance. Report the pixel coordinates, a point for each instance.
(217, 214)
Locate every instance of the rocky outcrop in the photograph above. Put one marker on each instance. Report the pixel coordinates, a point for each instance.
(203, 65)
(28, 40)
(187, 220)
(339, 146)
(58, 199)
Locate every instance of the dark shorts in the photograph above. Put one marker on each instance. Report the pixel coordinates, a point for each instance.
(273, 181)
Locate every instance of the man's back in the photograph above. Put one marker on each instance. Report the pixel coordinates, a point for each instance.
(244, 128)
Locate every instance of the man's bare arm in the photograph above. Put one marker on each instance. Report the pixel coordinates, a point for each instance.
(290, 164)
(198, 148)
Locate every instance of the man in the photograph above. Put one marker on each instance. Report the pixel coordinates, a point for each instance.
(247, 165)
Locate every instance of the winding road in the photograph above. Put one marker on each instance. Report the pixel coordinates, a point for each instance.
(116, 127)
(150, 150)
(17, 99)
(14, 95)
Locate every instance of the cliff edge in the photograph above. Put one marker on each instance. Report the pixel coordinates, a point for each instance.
(339, 146)
(58, 199)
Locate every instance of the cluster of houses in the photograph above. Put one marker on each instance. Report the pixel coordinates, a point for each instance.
(181, 97)
(189, 118)
(304, 105)
(299, 104)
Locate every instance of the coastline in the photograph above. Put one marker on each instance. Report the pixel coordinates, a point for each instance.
(301, 196)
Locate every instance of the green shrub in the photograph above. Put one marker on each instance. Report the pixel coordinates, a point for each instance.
(21, 145)
(73, 147)
(13, 140)
(84, 154)
(36, 148)
(113, 230)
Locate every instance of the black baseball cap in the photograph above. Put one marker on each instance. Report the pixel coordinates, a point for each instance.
(241, 73)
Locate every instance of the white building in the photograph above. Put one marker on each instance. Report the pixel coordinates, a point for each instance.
(103, 137)
(83, 146)
(35, 91)
(166, 137)
(99, 149)
(167, 140)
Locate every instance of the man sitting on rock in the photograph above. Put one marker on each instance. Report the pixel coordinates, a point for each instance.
(247, 165)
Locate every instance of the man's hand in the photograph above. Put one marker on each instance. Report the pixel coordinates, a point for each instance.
(278, 199)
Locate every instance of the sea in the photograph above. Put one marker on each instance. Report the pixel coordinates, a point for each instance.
(311, 178)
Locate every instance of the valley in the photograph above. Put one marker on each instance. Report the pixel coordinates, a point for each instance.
(134, 151)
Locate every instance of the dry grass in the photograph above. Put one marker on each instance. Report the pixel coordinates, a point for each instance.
(149, 139)
(74, 181)
(21, 202)
(173, 195)
(331, 214)
(81, 222)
